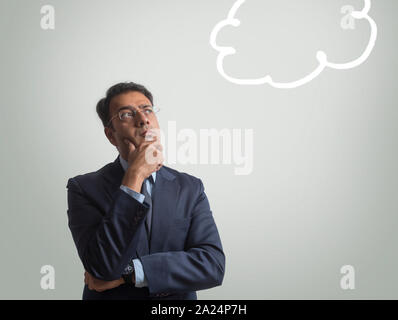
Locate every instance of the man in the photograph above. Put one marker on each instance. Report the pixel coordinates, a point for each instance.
(142, 230)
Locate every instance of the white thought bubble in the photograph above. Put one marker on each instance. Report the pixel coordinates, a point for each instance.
(321, 56)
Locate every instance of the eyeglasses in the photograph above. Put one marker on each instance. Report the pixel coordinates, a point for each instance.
(128, 113)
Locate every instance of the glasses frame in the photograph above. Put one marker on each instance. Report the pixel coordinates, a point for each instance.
(155, 110)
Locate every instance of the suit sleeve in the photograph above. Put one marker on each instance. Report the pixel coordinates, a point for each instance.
(105, 243)
(200, 266)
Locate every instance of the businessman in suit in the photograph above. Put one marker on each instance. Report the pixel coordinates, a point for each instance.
(142, 230)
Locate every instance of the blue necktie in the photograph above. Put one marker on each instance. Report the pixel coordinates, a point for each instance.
(148, 201)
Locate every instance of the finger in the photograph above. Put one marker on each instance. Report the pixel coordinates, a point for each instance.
(130, 144)
(160, 158)
(149, 140)
(155, 146)
(153, 156)
(158, 145)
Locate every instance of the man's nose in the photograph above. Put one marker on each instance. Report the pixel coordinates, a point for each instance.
(141, 119)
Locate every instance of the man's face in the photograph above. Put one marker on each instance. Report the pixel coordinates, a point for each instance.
(134, 130)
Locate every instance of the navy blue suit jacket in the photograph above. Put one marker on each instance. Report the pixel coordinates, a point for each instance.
(184, 253)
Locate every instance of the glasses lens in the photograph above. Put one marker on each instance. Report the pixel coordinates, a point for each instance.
(126, 115)
(129, 114)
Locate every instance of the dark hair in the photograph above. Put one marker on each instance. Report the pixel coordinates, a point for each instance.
(123, 87)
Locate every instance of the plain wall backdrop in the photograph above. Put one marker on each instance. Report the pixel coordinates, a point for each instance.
(323, 192)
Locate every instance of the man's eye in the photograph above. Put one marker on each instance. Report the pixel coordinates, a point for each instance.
(126, 115)
(148, 110)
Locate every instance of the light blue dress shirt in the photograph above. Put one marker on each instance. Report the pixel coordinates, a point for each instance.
(140, 279)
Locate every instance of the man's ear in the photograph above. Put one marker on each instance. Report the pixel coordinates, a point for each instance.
(110, 135)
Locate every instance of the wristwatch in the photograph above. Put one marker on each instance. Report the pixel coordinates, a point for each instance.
(128, 278)
(128, 274)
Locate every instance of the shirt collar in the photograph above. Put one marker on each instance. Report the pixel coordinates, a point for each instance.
(125, 165)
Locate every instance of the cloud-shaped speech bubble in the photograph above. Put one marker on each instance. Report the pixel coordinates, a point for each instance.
(321, 56)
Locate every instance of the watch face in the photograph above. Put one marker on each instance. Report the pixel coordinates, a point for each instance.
(128, 269)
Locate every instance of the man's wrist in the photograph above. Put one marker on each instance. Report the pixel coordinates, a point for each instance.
(133, 181)
(129, 278)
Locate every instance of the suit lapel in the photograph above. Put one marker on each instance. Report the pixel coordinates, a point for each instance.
(164, 202)
(113, 177)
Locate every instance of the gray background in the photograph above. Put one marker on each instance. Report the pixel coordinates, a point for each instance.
(323, 192)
